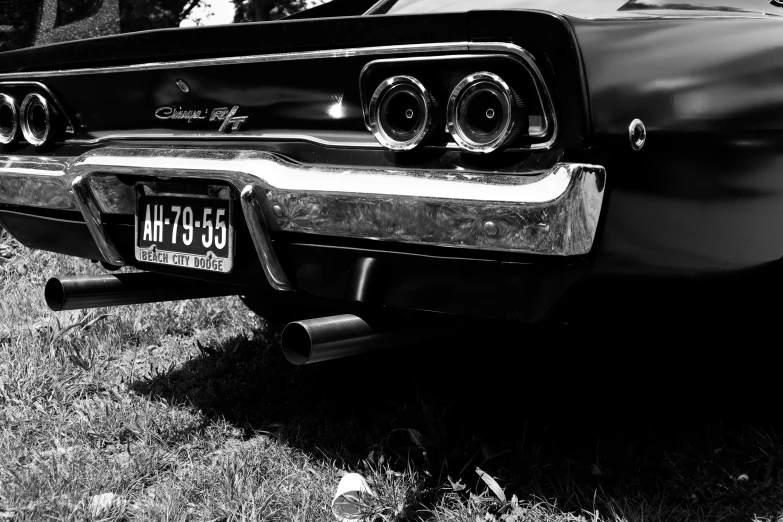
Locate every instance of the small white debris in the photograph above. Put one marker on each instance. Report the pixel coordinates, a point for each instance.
(100, 503)
(348, 500)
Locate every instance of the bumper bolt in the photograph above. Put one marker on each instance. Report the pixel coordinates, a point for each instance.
(490, 228)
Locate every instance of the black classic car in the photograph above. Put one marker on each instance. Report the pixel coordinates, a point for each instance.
(405, 160)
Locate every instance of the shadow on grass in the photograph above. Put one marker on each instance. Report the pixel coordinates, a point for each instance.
(639, 426)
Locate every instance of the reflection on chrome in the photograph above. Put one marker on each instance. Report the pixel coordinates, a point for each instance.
(38, 86)
(484, 113)
(252, 208)
(554, 212)
(36, 120)
(85, 200)
(637, 134)
(400, 113)
(9, 119)
(35, 181)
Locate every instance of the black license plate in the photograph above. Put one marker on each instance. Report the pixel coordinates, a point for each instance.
(185, 230)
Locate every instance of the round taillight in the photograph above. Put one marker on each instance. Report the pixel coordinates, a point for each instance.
(484, 113)
(36, 119)
(9, 119)
(401, 113)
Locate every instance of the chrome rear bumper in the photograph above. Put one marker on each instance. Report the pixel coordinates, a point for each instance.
(555, 212)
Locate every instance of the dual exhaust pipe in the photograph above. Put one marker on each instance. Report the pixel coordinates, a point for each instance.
(482, 113)
(304, 342)
(35, 119)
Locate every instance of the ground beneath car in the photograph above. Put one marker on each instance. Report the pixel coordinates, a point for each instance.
(187, 411)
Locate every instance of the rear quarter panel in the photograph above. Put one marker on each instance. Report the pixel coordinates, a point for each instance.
(705, 194)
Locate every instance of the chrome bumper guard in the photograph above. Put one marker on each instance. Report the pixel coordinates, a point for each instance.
(554, 212)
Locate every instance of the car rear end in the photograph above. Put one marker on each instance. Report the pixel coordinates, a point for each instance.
(432, 163)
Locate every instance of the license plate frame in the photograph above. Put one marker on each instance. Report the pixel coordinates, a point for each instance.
(168, 193)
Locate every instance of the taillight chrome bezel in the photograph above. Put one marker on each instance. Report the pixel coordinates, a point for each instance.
(385, 89)
(11, 135)
(33, 136)
(508, 101)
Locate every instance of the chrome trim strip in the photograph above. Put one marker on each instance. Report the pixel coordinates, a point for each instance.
(252, 207)
(271, 136)
(377, 5)
(70, 129)
(235, 60)
(85, 200)
(464, 46)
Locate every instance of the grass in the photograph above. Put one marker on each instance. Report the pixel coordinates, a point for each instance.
(187, 411)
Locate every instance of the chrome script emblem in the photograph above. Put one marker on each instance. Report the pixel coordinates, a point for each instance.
(226, 115)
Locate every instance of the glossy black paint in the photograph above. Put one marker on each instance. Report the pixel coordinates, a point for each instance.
(236, 40)
(318, 97)
(706, 192)
(65, 236)
(323, 99)
(589, 8)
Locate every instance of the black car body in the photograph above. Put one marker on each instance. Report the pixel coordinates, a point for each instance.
(641, 143)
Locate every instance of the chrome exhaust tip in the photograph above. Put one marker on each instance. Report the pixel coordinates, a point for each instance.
(77, 292)
(324, 339)
(484, 113)
(37, 120)
(401, 113)
(9, 119)
(327, 338)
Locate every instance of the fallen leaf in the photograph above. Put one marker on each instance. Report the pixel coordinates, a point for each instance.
(456, 486)
(492, 484)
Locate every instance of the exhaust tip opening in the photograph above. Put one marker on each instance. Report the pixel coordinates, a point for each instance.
(36, 119)
(54, 293)
(9, 119)
(483, 113)
(297, 343)
(401, 113)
